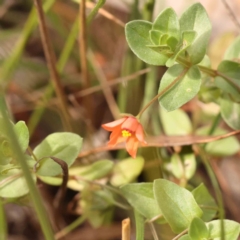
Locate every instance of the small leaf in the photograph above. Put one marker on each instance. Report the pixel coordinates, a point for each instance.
(167, 23)
(14, 185)
(185, 88)
(184, 166)
(230, 112)
(195, 18)
(176, 203)
(155, 36)
(126, 171)
(223, 147)
(64, 146)
(141, 198)
(185, 237)
(206, 202)
(198, 230)
(22, 134)
(137, 35)
(232, 71)
(233, 51)
(176, 122)
(231, 230)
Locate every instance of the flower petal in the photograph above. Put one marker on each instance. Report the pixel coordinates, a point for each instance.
(116, 137)
(131, 146)
(140, 134)
(131, 124)
(110, 126)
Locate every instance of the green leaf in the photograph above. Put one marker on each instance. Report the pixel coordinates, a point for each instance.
(176, 203)
(230, 112)
(187, 39)
(22, 134)
(141, 197)
(65, 146)
(126, 171)
(223, 147)
(167, 23)
(13, 184)
(185, 237)
(195, 18)
(137, 35)
(233, 51)
(183, 165)
(198, 230)
(206, 202)
(92, 172)
(231, 230)
(183, 90)
(232, 71)
(155, 36)
(176, 122)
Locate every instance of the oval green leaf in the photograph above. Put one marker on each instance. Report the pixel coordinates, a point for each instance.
(22, 134)
(233, 51)
(198, 230)
(206, 202)
(141, 197)
(177, 204)
(231, 230)
(137, 35)
(64, 146)
(230, 112)
(167, 23)
(176, 122)
(182, 88)
(195, 18)
(126, 171)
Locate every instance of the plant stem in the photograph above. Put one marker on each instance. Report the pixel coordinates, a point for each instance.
(216, 189)
(153, 230)
(8, 66)
(3, 222)
(139, 221)
(180, 234)
(70, 227)
(173, 83)
(34, 194)
(51, 62)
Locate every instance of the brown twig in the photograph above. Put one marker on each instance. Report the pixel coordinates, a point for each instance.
(106, 14)
(105, 87)
(231, 13)
(51, 62)
(164, 141)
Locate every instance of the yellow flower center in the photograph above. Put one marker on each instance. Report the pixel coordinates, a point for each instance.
(126, 133)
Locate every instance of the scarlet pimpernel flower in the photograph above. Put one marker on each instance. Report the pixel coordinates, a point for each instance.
(126, 129)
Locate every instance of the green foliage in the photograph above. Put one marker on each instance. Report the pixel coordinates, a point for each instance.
(198, 230)
(126, 171)
(186, 84)
(141, 198)
(206, 202)
(177, 204)
(65, 146)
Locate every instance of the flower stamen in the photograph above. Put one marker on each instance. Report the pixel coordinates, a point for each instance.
(126, 133)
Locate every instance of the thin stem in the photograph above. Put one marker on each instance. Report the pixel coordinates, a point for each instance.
(126, 229)
(173, 83)
(105, 87)
(180, 234)
(216, 188)
(8, 66)
(3, 222)
(233, 16)
(34, 194)
(153, 230)
(70, 227)
(51, 62)
(139, 221)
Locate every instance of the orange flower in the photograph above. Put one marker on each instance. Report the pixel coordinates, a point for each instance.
(126, 129)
